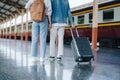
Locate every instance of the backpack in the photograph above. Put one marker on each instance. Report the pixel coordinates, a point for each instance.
(37, 10)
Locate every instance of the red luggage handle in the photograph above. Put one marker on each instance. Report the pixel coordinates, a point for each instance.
(75, 31)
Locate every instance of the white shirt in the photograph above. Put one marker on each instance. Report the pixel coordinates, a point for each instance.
(59, 25)
(48, 7)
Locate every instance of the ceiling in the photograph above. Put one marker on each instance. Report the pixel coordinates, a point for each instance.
(10, 8)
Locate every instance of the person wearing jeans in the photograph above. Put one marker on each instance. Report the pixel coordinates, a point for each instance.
(40, 28)
(60, 13)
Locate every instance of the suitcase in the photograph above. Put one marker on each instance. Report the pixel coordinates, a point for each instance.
(81, 48)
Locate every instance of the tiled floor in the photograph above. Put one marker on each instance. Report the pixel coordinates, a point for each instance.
(15, 64)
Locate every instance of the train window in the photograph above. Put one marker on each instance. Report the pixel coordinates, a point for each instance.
(12, 29)
(108, 15)
(29, 27)
(4, 30)
(90, 17)
(24, 28)
(8, 30)
(81, 19)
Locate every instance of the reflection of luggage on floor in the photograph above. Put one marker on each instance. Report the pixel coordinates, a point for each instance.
(82, 72)
(81, 48)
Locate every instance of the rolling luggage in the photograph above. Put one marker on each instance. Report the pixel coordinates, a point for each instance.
(81, 48)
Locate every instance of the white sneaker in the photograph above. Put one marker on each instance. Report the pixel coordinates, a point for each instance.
(41, 59)
(59, 57)
(33, 59)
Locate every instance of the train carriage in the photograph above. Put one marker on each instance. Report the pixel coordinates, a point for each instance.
(108, 26)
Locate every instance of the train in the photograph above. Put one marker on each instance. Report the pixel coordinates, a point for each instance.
(108, 24)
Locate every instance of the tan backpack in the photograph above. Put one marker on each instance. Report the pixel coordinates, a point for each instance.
(37, 10)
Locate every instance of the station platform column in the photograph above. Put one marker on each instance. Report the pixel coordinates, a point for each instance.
(95, 25)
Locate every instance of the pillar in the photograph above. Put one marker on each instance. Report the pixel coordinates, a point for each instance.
(95, 25)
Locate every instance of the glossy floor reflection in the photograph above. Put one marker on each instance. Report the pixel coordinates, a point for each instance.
(15, 64)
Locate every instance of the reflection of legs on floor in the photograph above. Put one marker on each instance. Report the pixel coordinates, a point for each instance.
(56, 68)
(38, 71)
(34, 71)
(42, 72)
(52, 70)
(59, 71)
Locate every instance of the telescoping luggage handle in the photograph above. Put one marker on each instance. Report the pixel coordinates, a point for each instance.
(75, 31)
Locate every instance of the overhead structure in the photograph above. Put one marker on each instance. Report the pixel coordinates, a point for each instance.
(10, 8)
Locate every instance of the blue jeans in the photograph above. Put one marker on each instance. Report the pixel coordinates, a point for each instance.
(42, 29)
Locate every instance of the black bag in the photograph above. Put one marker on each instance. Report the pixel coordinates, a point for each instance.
(81, 48)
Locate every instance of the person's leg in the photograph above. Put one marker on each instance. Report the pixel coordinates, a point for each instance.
(53, 35)
(60, 41)
(35, 33)
(43, 34)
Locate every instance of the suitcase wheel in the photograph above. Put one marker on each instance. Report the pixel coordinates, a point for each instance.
(78, 60)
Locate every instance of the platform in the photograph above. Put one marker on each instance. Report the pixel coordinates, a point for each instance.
(15, 64)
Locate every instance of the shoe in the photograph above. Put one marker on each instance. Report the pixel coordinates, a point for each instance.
(41, 60)
(59, 58)
(51, 58)
(33, 59)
